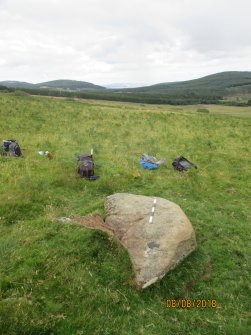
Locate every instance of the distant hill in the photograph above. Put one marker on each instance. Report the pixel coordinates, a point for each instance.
(66, 84)
(211, 89)
(63, 84)
(15, 84)
(218, 82)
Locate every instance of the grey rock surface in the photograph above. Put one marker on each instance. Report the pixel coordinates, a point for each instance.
(155, 231)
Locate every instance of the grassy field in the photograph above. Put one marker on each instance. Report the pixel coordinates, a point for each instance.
(58, 278)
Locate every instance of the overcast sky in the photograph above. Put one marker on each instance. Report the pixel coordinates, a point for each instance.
(113, 41)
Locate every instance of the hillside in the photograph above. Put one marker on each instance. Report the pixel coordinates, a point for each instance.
(66, 84)
(60, 278)
(232, 86)
(15, 84)
(218, 82)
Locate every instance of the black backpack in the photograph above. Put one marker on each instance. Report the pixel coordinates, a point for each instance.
(12, 148)
(86, 166)
(182, 164)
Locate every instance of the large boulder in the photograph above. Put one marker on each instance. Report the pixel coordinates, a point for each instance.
(155, 231)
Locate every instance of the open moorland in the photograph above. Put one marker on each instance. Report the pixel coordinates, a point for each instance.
(59, 278)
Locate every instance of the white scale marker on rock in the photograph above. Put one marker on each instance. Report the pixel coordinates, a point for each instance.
(153, 210)
(149, 247)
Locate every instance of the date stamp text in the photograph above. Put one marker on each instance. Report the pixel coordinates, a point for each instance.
(191, 303)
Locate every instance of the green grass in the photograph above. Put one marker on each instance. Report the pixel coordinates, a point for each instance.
(58, 278)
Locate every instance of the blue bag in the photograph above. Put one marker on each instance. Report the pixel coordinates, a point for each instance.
(149, 165)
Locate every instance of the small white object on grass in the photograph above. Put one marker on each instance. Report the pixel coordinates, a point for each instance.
(64, 219)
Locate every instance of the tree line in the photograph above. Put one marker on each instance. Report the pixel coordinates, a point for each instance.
(174, 98)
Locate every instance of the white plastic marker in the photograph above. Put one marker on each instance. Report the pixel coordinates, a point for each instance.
(91, 151)
(153, 210)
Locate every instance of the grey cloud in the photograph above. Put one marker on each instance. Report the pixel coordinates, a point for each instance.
(99, 41)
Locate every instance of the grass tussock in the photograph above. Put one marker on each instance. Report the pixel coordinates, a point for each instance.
(58, 278)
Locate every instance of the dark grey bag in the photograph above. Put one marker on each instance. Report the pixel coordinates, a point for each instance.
(12, 148)
(182, 164)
